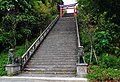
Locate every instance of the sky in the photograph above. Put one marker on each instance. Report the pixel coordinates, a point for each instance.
(69, 1)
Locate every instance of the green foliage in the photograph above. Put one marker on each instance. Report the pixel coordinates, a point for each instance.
(107, 35)
(54, 10)
(3, 62)
(97, 29)
(4, 59)
(20, 50)
(20, 18)
(109, 61)
(100, 31)
(20, 21)
(102, 74)
(102, 40)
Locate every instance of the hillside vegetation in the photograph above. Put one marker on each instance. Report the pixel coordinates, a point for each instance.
(21, 21)
(100, 36)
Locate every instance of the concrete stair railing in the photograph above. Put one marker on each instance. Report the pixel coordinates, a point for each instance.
(27, 55)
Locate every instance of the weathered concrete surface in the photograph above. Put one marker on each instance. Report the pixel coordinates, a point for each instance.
(41, 79)
(55, 60)
(57, 55)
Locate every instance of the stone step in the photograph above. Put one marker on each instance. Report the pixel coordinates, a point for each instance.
(64, 49)
(32, 74)
(62, 60)
(50, 72)
(53, 63)
(47, 66)
(61, 34)
(53, 58)
(54, 53)
(57, 55)
(43, 70)
(60, 49)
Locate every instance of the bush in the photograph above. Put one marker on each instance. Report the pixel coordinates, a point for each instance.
(102, 74)
(3, 62)
(110, 61)
(102, 41)
(100, 35)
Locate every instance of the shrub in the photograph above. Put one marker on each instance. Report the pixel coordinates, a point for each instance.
(100, 28)
(102, 74)
(110, 61)
(102, 41)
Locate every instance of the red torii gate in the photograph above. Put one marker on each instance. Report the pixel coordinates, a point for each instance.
(64, 7)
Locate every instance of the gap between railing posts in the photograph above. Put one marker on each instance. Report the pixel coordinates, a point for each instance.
(28, 54)
(81, 64)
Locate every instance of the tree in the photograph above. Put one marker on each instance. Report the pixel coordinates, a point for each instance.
(103, 17)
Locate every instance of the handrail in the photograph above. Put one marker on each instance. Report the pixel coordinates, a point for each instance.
(81, 64)
(80, 48)
(28, 54)
(78, 36)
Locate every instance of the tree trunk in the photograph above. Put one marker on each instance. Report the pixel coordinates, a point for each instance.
(26, 42)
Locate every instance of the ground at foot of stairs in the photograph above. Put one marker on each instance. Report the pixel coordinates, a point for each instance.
(42, 79)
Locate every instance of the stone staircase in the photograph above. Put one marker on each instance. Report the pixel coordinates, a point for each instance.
(57, 55)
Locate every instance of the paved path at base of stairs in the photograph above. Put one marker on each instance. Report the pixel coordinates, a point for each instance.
(41, 79)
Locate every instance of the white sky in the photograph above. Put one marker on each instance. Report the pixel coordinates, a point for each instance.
(69, 1)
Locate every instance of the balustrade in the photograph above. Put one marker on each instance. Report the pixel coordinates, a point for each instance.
(27, 55)
(81, 64)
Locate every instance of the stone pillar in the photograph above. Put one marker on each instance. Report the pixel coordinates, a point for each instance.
(82, 69)
(12, 69)
(60, 12)
(74, 10)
